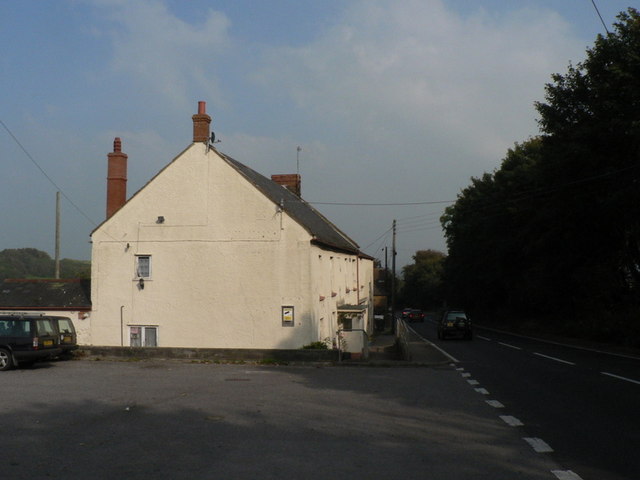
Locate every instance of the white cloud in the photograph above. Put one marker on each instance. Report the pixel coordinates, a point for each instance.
(429, 98)
(166, 56)
(419, 71)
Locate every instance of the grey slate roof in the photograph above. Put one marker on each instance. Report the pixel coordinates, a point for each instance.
(323, 231)
(73, 294)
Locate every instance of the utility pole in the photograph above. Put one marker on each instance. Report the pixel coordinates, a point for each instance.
(386, 268)
(393, 280)
(57, 248)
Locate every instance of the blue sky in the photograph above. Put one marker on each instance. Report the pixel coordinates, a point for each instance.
(392, 102)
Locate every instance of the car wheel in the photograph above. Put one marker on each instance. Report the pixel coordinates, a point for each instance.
(6, 360)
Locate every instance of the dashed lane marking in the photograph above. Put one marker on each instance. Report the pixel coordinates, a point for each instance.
(483, 391)
(483, 338)
(495, 403)
(473, 382)
(620, 378)
(511, 421)
(538, 444)
(466, 375)
(509, 345)
(566, 475)
(554, 358)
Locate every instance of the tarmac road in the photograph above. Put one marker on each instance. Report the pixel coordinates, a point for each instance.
(582, 402)
(175, 420)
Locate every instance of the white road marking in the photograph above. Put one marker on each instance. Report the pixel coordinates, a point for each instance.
(577, 347)
(538, 445)
(473, 382)
(509, 345)
(566, 475)
(511, 421)
(461, 369)
(620, 378)
(466, 375)
(483, 391)
(553, 358)
(495, 403)
(483, 338)
(453, 359)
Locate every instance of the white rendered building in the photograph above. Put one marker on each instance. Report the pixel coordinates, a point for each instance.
(211, 254)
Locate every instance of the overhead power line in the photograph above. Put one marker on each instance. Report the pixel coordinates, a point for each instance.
(382, 204)
(381, 236)
(15, 139)
(593, 2)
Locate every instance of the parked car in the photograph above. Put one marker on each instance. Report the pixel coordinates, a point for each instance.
(413, 315)
(456, 323)
(24, 339)
(66, 334)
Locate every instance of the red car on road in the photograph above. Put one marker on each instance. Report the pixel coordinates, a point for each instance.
(413, 315)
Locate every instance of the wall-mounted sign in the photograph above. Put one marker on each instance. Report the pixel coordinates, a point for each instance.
(287, 316)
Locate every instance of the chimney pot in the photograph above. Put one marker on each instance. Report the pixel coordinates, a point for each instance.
(117, 145)
(201, 124)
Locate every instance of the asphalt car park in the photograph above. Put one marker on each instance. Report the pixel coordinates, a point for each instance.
(162, 419)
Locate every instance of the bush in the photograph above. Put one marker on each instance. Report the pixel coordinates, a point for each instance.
(316, 346)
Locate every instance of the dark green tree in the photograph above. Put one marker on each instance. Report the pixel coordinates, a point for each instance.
(33, 263)
(591, 126)
(422, 280)
(555, 232)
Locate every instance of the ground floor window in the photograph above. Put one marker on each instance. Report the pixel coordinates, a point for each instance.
(143, 336)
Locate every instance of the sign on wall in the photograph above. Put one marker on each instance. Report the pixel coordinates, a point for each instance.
(288, 316)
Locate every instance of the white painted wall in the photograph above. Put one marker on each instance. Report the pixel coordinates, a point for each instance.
(224, 262)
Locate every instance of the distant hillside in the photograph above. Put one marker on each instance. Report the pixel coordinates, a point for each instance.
(33, 263)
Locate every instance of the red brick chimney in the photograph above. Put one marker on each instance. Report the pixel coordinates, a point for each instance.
(291, 181)
(116, 178)
(201, 123)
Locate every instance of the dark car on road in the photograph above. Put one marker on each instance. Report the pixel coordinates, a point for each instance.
(24, 339)
(413, 315)
(455, 323)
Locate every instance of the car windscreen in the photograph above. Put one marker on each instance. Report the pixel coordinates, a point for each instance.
(456, 316)
(15, 328)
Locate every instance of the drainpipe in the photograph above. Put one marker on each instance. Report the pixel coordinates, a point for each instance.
(358, 277)
(121, 326)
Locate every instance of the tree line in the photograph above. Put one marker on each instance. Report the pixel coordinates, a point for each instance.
(33, 263)
(552, 237)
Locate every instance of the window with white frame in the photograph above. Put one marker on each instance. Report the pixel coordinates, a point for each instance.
(143, 266)
(143, 336)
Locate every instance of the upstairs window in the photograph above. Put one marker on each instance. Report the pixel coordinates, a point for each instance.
(143, 266)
